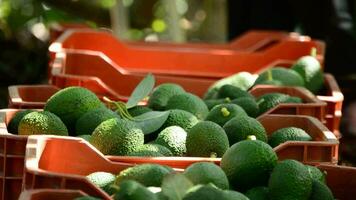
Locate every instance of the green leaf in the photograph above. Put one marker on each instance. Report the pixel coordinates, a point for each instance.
(141, 91)
(151, 121)
(175, 186)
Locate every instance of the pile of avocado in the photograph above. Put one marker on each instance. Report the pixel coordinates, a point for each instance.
(223, 125)
(193, 127)
(190, 129)
(249, 170)
(306, 72)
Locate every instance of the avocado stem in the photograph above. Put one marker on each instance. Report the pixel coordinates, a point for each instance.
(251, 137)
(122, 110)
(213, 155)
(108, 100)
(269, 75)
(225, 112)
(114, 187)
(313, 52)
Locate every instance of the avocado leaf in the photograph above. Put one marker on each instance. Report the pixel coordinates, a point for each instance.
(151, 121)
(142, 90)
(175, 186)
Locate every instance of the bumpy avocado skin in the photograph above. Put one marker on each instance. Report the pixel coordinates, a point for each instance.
(71, 103)
(146, 174)
(87, 123)
(13, 125)
(290, 180)
(206, 139)
(189, 102)
(161, 94)
(286, 77)
(174, 138)
(42, 123)
(117, 137)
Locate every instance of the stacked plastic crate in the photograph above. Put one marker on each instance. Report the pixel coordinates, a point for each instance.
(98, 61)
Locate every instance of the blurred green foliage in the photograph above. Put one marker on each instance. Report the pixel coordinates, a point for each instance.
(24, 42)
(25, 25)
(171, 19)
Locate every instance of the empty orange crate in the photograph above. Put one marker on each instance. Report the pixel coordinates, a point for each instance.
(51, 194)
(167, 60)
(251, 41)
(30, 96)
(56, 30)
(311, 106)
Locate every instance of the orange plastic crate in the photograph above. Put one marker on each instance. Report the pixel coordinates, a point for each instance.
(56, 30)
(30, 96)
(76, 68)
(334, 99)
(341, 180)
(342, 187)
(12, 156)
(250, 41)
(35, 96)
(311, 106)
(63, 162)
(166, 60)
(322, 136)
(51, 194)
(105, 79)
(43, 169)
(323, 150)
(331, 94)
